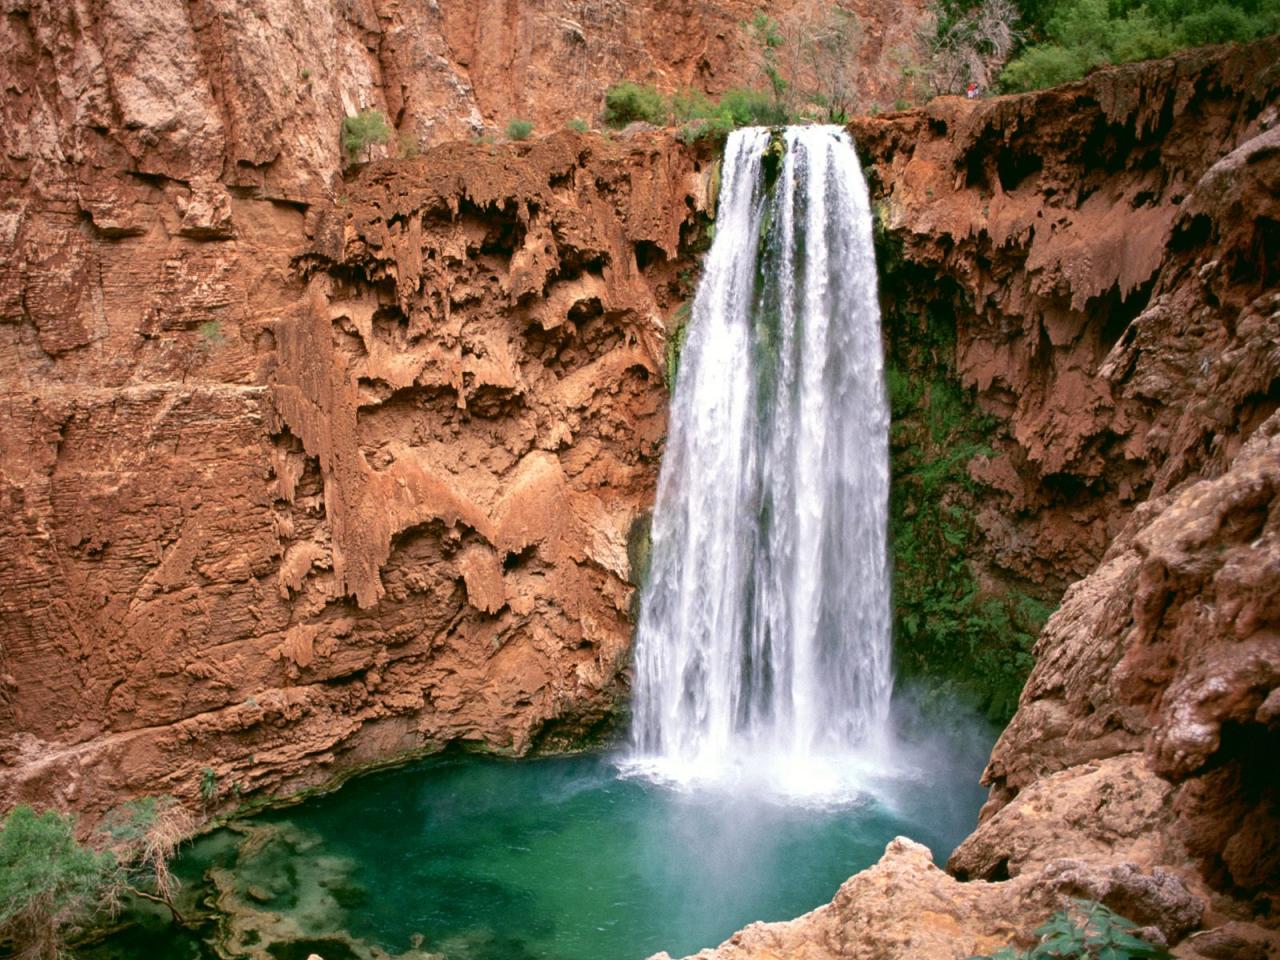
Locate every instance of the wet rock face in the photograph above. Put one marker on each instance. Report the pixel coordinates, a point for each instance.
(1099, 247)
(291, 491)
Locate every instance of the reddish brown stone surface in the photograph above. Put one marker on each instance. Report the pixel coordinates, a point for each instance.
(1063, 229)
(352, 482)
(299, 472)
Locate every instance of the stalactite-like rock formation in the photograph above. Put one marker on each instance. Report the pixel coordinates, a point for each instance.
(341, 484)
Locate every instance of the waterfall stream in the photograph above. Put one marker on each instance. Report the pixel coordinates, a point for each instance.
(764, 634)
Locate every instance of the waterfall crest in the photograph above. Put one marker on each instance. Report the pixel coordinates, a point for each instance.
(764, 634)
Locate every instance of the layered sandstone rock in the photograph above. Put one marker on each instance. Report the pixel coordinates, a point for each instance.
(321, 487)
(300, 473)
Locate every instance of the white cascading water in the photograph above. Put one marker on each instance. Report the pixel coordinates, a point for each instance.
(764, 639)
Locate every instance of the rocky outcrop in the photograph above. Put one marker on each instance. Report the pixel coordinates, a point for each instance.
(1165, 664)
(1101, 250)
(905, 907)
(325, 486)
(1106, 251)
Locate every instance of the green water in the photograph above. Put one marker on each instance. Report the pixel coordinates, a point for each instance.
(484, 859)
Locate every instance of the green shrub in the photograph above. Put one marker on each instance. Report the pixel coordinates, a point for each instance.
(49, 882)
(628, 102)
(519, 129)
(578, 125)
(52, 885)
(1085, 931)
(362, 131)
(1045, 66)
(691, 105)
(1077, 35)
(1138, 36)
(747, 107)
(208, 786)
(1219, 24)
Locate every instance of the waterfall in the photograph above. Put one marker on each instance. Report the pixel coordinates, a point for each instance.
(764, 633)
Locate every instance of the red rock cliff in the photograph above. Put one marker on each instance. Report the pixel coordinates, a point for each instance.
(303, 489)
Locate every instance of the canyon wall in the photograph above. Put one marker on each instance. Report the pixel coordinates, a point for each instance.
(101, 94)
(292, 488)
(301, 470)
(1036, 254)
(1106, 256)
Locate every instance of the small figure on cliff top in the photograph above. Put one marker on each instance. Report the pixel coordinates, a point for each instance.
(971, 91)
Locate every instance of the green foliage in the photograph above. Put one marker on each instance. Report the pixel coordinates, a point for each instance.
(208, 786)
(765, 31)
(1085, 931)
(519, 129)
(628, 102)
(747, 107)
(691, 105)
(362, 131)
(675, 344)
(699, 117)
(578, 125)
(1076, 36)
(49, 882)
(211, 330)
(951, 633)
(1045, 66)
(1224, 23)
(739, 107)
